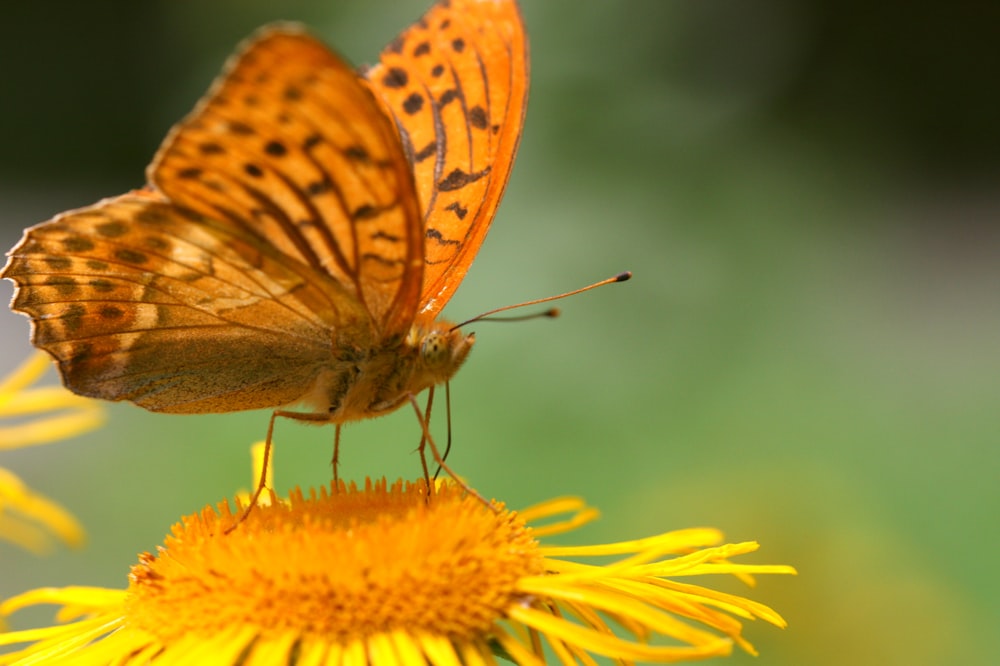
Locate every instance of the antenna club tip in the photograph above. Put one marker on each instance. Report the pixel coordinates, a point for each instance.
(622, 277)
(553, 312)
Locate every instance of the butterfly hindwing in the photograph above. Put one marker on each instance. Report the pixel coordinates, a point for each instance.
(138, 300)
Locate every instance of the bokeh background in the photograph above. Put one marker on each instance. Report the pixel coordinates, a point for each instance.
(807, 356)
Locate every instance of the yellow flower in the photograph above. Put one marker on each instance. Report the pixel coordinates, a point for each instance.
(27, 518)
(396, 574)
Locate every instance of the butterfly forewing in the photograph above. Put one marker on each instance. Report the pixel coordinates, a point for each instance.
(289, 146)
(456, 84)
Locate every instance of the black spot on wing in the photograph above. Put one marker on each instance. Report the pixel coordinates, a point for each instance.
(458, 179)
(211, 148)
(156, 243)
(275, 149)
(457, 208)
(73, 317)
(58, 263)
(65, 285)
(311, 141)
(111, 312)
(384, 235)
(242, 129)
(357, 154)
(78, 244)
(396, 77)
(112, 229)
(102, 285)
(427, 151)
(365, 212)
(131, 256)
(477, 117)
(318, 187)
(435, 235)
(379, 259)
(413, 103)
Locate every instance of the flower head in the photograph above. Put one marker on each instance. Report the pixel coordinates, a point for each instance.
(33, 415)
(400, 574)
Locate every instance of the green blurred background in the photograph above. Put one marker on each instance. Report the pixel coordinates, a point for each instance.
(807, 356)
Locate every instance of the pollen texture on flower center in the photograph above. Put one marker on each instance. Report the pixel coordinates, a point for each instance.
(341, 565)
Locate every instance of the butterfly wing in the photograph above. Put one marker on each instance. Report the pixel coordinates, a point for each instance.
(456, 83)
(283, 231)
(140, 300)
(290, 146)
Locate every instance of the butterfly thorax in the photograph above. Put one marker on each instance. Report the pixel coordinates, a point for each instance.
(363, 383)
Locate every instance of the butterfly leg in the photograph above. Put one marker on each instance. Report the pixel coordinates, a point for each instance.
(262, 481)
(447, 418)
(422, 447)
(336, 456)
(439, 460)
(268, 443)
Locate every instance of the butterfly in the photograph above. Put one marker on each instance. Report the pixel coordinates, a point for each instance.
(301, 231)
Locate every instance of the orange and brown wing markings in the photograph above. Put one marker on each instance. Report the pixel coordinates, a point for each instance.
(456, 84)
(139, 300)
(291, 147)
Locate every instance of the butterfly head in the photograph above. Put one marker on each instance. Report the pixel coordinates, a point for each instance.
(442, 349)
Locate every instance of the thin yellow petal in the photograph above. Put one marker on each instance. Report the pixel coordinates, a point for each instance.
(382, 651)
(41, 399)
(24, 535)
(50, 429)
(407, 648)
(35, 516)
(518, 652)
(312, 652)
(439, 650)
(355, 653)
(564, 652)
(676, 541)
(624, 606)
(731, 603)
(581, 515)
(272, 650)
(334, 655)
(474, 654)
(90, 598)
(612, 646)
(25, 374)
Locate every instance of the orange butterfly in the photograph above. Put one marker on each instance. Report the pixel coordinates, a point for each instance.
(302, 229)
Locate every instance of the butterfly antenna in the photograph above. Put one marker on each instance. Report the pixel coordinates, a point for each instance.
(551, 312)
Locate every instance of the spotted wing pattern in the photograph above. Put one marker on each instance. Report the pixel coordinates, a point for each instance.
(456, 83)
(289, 146)
(140, 300)
(281, 232)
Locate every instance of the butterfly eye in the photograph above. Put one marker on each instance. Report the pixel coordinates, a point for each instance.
(435, 350)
